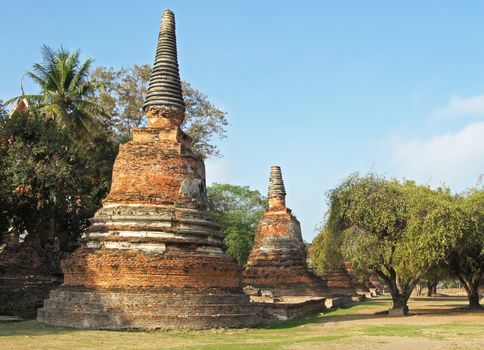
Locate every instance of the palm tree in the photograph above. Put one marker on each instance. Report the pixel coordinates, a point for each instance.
(65, 92)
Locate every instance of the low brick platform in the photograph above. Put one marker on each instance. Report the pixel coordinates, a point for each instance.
(150, 309)
(178, 309)
(282, 311)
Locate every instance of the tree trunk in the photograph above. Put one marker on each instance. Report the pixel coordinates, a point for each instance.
(472, 290)
(429, 289)
(399, 297)
(473, 296)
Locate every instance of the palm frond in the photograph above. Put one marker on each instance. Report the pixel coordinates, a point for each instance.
(81, 75)
(49, 60)
(44, 84)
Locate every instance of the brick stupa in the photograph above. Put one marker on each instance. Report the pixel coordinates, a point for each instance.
(153, 256)
(339, 281)
(277, 261)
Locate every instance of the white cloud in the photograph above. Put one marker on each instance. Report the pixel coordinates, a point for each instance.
(453, 158)
(462, 106)
(217, 171)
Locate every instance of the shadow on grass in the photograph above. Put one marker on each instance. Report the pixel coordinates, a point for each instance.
(451, 309)
(342, 313)
(31, 328)
(351, 312)
(440, 298)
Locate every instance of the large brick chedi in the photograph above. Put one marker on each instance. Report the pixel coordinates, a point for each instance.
(153, 256)
(277, 261)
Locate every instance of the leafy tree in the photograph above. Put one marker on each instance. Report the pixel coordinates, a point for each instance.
(467, 256)
(237, 209)
(123, 96)
(3, 111)
(3, 195)
(395, 230)
(432, 278)
(50, 188)
(65, 91)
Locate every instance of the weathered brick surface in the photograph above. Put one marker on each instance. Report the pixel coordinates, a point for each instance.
(27, 274)
(114, 268)
(339, 281)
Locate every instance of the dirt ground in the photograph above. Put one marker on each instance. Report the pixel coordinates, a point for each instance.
(434, 323)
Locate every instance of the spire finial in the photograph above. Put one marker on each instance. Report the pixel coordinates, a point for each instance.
(164, 98)
(277, 192)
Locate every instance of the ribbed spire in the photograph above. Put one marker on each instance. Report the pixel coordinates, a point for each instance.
(165, 88)
(276, 187)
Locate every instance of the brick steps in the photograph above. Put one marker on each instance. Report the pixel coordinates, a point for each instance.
(126, 319)
(125, 310)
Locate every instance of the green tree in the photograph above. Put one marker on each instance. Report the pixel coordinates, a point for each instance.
(3, 194)
(466, 260)
(432, 278)
(397, 230)
(49, 188)
(65, 93)
(237, 209)
(123, 96)
(3, 111)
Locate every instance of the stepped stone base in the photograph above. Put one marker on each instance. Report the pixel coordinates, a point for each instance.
(145, 310)
(184, 287)
(180, 309)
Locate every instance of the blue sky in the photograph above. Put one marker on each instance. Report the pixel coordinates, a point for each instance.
(322, 88)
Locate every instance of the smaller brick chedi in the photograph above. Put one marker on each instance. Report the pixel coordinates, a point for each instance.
(277, 261)
(339, 281)
(153, 256)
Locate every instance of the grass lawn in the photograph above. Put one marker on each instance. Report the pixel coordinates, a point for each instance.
(434, 324)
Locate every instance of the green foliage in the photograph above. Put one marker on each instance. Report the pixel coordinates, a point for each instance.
(65, 93)
(237, 209)
(467, 256)
(56, 158)
(3, 111)
(123, 96)
(398, 230)
(46, 178)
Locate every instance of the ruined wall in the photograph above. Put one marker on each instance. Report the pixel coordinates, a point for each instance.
(27, 274)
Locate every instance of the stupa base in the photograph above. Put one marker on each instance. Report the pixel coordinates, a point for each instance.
(148, 310)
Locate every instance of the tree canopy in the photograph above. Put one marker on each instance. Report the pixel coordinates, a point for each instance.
(398, 230)
(466, 259)
(49, 188)
(56, 154)
(237, 209)
(123, 96)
